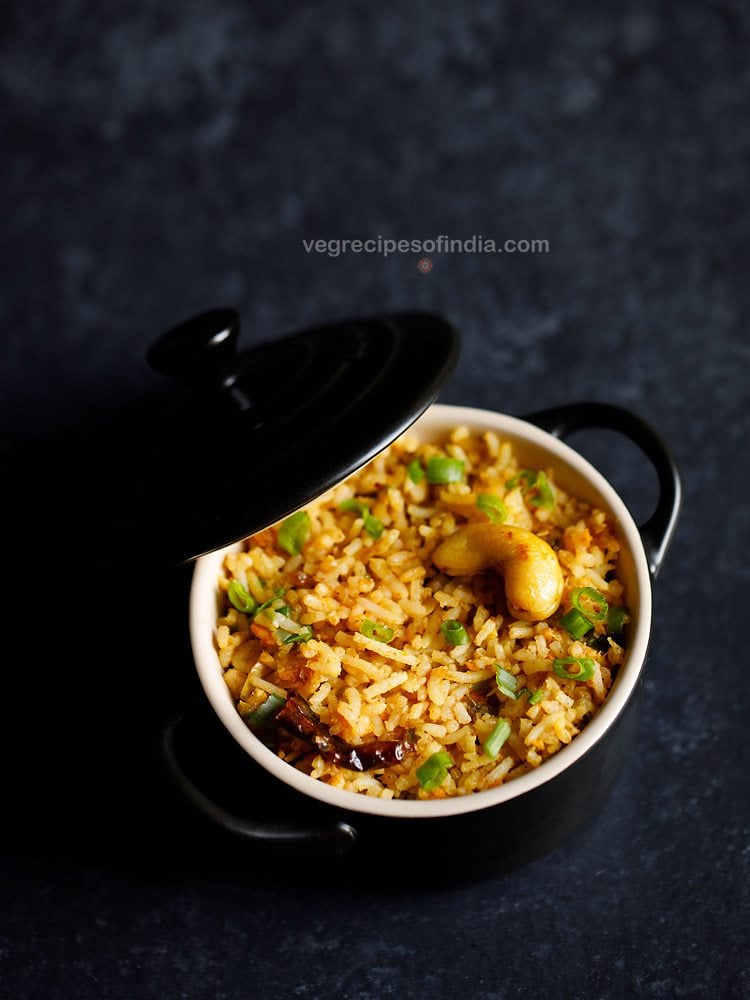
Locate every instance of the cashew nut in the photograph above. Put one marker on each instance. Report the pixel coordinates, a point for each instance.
(528, 565)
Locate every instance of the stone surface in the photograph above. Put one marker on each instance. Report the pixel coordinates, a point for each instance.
(157, 162)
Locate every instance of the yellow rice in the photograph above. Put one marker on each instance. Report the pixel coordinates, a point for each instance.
(442, 697)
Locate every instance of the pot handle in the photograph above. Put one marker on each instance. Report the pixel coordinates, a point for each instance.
(279, 838)
(656, 533)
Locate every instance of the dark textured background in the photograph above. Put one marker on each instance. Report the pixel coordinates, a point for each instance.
(158, 161)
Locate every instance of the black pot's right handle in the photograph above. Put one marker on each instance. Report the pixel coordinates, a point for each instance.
(657, 531)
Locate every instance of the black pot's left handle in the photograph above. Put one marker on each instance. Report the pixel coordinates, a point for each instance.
(278, 839)
(657, 532)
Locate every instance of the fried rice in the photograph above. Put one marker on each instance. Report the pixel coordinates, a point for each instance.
(346, 614)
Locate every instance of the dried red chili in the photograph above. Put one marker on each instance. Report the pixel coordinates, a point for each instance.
(298, 718)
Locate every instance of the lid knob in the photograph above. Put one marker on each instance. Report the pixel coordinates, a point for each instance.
(199, 353)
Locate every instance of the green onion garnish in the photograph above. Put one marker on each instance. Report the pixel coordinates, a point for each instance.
(590, 603)
(434, 771)
(278, 594)
(497, 737)
(294, 531)
(575, 624)
(441, 469)
(536, 697)
(527, 477)
(454, 633)
(372, 525)
(284, 636)
(240, 598)
(506, 683)
(415, 471)
(493, 507)
(617, 618)
(535, 488)
(584, 672)
(374, 630)
(542, 495)
(354, 506)
(265, 712)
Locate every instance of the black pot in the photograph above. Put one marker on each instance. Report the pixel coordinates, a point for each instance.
(490, 832)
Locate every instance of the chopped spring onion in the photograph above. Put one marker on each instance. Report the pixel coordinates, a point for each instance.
(575, 624)
(527, 477)
(493, 507)
(506, 683)
(278, 616)
(285, 636)
(264, 712)
(240, 598)
(287, 629)
(534, 696)
(294, 531)
(434, 771)
(590, 603)
(454, 633)
(542, 496)
(278, 594)
(584, 672)
(415, 471)
(535, 487)
(441, 469)
(617, 618)
(497, 737)
(374, 630)
(372, 525)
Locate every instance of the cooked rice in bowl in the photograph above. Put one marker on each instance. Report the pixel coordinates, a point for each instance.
(360, 663)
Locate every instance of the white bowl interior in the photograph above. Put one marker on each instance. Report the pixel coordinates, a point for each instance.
(535, 448)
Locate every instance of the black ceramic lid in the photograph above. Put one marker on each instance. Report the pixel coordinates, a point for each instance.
(252, 435)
